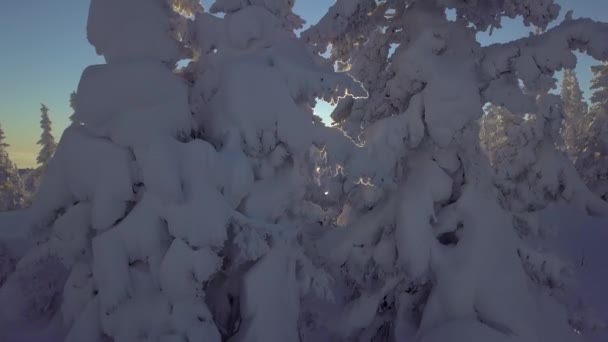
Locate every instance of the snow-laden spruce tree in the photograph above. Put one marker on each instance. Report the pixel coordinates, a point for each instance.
(427, 244)
(47, 140)
(105, 256)
(255, 86)
(577, 117)
(160, 219)
(12, 195)
(31, 179)
(592, 160)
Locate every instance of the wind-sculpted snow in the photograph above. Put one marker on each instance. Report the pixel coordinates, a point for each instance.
(128, 102)
(139, 30)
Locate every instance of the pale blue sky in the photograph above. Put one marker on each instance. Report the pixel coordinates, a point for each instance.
(44, 50)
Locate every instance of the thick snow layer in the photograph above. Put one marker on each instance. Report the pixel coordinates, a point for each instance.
(184, 269)
(86, 168)
(70, 237)
(492, 286)
(242, 104)
(269, 198)
(148, 232)
(140, 237)
(138, 29)
(132, 103)
(581, 240)
(427, 184)
(280, 9)
(237, 176)
(13, 224)
(77, 293)
(430, 59)
(270, 300)
(293, 78)
(87, 325)
(159, 164)
(466, 330)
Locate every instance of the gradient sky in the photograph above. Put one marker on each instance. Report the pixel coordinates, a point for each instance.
(44, 50)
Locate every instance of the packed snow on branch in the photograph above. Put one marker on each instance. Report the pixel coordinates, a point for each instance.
(210, 203)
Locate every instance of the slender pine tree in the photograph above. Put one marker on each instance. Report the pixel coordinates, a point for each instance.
(47, 141)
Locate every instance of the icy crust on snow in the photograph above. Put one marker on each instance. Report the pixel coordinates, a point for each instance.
(134, 30)
(133, 102)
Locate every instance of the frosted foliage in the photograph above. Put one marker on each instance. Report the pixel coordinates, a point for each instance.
(455, 218)
(209, 203)
(85, 168)
(274, 147)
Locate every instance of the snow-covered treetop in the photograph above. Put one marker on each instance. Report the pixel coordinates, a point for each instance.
(252, 43)
(282, 9)
(3, 143)
(141, 29)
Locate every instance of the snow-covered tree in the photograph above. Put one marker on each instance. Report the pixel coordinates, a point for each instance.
(169, 220)
(12, 195)
(493, 127)
(599, 86)
(592, 160)
(255, 88)
(210, 204)
(577, 117)
(103, 236)
(428, 244)
(47, 141)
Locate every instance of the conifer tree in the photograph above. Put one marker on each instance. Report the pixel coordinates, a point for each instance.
(592, 161)
(210, 204)
(12, 195)
(47, 141)
(416, 217)
(576, 115)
